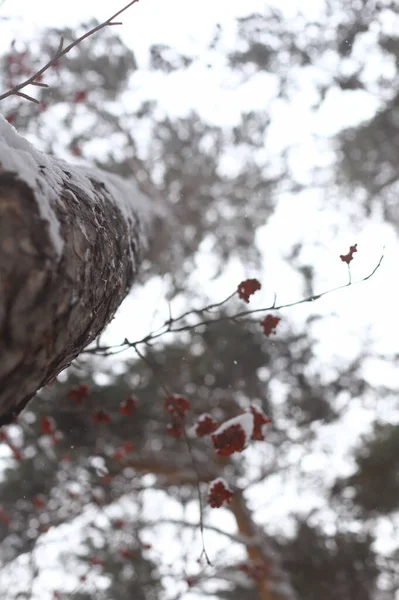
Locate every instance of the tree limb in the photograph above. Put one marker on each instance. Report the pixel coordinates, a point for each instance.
(61, 51)
(71, 242)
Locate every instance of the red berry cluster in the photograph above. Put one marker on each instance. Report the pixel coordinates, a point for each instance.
(174, 430)
(101, 417)
(269, 324)
(219, 493)
(47, 426)
(260, 420)
(256, 570)
(246, 288)
(231, 439)
(78, 394)
(205, 425)
(121, 452)
(176, 406)
(128, 406)
(38, 501)
(347, 258)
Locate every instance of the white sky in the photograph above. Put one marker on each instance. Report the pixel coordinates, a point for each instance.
(371, 305)
(189, 26)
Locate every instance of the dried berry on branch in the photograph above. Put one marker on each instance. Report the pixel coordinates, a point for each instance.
(219, 493)
(247, 288)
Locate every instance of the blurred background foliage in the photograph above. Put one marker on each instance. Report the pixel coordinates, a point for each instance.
(93, 492)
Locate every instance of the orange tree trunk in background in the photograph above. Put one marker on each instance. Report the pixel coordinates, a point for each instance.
(264, 562)
(71, 241)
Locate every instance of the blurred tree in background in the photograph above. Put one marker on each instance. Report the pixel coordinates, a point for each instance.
(92, 477)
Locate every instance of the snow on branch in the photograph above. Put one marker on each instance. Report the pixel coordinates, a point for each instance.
(71, 241)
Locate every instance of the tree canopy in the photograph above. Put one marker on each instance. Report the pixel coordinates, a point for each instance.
(131, 474)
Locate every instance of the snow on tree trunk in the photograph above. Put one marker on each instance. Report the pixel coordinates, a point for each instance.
(71, 241)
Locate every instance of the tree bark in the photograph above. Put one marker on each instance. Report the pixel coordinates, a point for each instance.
(71, 241)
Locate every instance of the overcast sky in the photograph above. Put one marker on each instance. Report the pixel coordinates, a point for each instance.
(370, 307)
(189, 25)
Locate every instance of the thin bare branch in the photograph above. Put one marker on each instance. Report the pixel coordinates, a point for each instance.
(40, 84)
(239, 539)
(156, 370)
(168, 325)
(60, 52)
(30, 98)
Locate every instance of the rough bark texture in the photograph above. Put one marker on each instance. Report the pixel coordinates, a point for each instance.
(52, 306)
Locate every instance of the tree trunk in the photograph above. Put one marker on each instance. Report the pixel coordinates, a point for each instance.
(274, 584)
(71, 241)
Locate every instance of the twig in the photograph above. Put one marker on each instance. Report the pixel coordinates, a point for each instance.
(312, 298)
(60, 52)
(167, 326)
(156, 370)
(27, 97)
(239, 539)
(198, 486)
